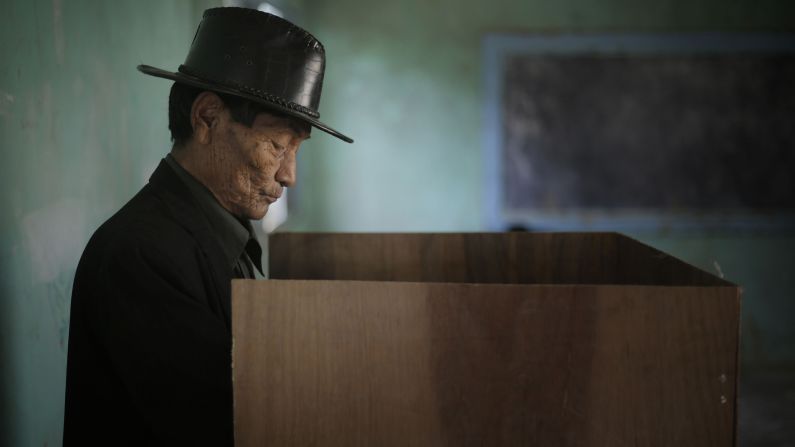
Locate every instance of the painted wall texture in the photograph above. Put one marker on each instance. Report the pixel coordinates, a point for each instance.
(81, 130)
(405, 79)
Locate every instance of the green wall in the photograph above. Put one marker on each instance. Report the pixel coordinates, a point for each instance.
(80, 131)
(405, 80)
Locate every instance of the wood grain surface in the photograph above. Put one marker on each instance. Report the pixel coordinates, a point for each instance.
(509, 258)
(362, 363)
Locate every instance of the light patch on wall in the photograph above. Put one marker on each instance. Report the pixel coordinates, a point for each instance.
(6, 99)
(270, 9)
(146, 173)
(255, 4)
(277, 214)
(54, 237)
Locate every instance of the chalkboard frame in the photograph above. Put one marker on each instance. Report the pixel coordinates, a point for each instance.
(496, 50)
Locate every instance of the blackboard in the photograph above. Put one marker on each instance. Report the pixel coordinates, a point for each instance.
(645, 133)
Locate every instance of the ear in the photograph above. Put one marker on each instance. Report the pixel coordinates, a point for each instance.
(204, 116)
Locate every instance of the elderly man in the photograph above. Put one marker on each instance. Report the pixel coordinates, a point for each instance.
(150, 335)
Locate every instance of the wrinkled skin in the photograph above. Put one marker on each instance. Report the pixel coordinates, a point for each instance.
(245, 168)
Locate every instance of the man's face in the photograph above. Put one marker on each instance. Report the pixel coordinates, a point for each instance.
(252, 166)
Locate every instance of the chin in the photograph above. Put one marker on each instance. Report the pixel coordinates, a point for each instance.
(257, 213)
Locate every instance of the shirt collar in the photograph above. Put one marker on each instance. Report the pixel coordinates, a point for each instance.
(233, 233)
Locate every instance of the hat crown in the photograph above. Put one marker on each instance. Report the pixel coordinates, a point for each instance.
(261, 54)
(257, 56)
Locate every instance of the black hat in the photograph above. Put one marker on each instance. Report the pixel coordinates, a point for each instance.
(257, 56)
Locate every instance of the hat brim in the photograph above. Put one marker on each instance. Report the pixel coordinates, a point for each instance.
(201, 83)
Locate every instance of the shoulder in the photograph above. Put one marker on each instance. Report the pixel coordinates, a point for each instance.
(145, 237)
(145, 222)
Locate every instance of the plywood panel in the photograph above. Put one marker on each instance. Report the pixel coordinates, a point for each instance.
(528, 258)
(357, 363)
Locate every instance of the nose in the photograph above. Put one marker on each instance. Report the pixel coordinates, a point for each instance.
(286, 173)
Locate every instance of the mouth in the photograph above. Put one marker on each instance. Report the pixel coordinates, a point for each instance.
(269, 198)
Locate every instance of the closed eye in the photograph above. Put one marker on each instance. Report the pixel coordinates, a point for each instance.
(279, 148)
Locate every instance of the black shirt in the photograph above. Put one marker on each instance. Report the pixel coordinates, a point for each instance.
(150, 339)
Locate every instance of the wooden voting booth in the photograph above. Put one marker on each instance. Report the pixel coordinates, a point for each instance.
(512, 339)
